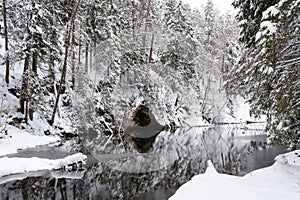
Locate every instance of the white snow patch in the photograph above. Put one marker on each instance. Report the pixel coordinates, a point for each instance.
(20, 165)
(68, 175)
(269, 26)
(277, 182)
(195, 121)
(271, 11)
(241, 112)
(20, 139)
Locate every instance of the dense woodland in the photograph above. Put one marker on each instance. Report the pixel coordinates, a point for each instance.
(91, 63)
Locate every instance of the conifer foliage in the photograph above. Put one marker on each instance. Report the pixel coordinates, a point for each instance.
(271, 66)
(115, 55)
(114, 44)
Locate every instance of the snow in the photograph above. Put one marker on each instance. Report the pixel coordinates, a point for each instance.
(21, 165)
(43, 173)
(267, 27)
(195, 121)
(277, 182)
(270, 11)
(241, 113)
(68, 174)
(20, 139)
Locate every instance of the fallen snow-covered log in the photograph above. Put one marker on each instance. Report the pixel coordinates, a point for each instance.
(21, 165)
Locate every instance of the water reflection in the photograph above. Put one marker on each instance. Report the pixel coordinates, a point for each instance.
(173, 160)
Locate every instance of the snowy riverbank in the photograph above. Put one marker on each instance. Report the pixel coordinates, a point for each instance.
(10, 166)
(277, 182)
(16, 139)
(20, 139)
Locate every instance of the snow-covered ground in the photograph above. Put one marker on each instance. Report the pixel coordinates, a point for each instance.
(15, 134)
(277, 182)
(239, 115)
(15, 139)
(21, 139)
(21, 165)
(241, 112)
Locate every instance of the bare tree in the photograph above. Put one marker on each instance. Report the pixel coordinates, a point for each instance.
(64, 69)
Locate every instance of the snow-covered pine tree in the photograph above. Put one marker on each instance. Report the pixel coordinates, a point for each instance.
(209, 18)
(272, 70)
(249, 17)
(274, 83)
(179, 54)
(34, 30)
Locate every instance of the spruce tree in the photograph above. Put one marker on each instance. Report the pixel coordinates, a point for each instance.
(271, 68)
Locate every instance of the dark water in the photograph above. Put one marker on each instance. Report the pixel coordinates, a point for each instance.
(174, 158)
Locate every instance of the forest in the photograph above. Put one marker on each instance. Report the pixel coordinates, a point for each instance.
(130, 82)
(92, 63)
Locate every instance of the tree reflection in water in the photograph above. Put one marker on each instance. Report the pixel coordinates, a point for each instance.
(174, 159)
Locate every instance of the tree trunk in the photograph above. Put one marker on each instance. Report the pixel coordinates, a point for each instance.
(91, 57)
(6, 43)
(30, 112)
(64, 70)
(51, 69)
(151, 48)
(133, 19)
(23, 96)
(34, 62)
(26, 110)
(79, 50)
(146, 24)
(86, 57)
(73, 58)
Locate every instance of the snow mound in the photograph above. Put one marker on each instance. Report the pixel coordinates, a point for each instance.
(210, 168)
(21, 165)
(277, 182)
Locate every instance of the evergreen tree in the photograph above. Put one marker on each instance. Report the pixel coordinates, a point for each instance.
(180, 50)
(271, 66)
(209, 21)
(249, 17)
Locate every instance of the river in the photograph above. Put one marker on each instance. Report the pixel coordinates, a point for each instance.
(175, 157)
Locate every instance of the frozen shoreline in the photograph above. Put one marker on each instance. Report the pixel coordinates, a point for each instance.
(21, 139)
(10, 166)
(17, 139)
